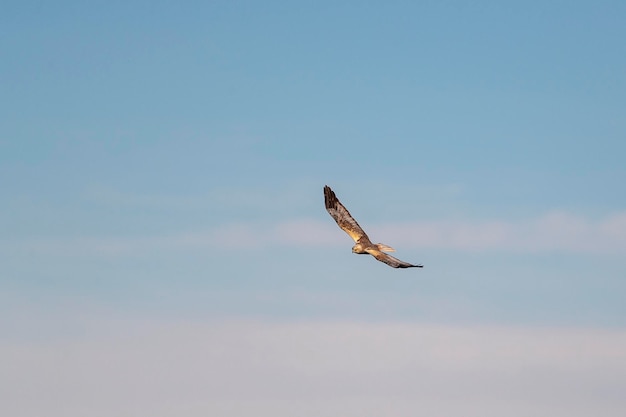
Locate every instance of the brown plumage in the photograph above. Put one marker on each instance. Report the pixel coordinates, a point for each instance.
(363, 245)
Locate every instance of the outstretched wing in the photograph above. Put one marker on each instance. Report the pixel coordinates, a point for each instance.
(342, 216)
(390, 260)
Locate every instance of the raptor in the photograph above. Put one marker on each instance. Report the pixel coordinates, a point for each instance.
(363, 244)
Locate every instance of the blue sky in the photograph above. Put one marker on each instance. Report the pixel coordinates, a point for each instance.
(164, 162)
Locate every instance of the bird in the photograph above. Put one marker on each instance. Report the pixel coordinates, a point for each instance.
(363, 244)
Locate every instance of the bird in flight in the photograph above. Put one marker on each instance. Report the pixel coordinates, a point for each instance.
(363, 244)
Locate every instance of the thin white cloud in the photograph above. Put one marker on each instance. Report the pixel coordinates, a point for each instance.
(556, 231)
(315, 368)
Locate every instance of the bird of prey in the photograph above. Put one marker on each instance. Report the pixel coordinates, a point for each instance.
(363, 244)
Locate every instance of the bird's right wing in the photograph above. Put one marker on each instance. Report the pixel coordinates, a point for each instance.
(390, 260)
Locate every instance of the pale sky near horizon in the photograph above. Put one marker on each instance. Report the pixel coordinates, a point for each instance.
(163, 163)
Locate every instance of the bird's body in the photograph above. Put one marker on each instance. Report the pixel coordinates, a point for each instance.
(363, 245)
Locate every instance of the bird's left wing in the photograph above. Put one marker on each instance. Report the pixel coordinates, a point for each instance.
(342, 216)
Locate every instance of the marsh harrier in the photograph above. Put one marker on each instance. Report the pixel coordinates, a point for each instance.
(363, 244)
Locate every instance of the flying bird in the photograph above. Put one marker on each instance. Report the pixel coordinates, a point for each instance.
(363, 244)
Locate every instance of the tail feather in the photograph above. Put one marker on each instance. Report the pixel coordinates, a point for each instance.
(384, 248)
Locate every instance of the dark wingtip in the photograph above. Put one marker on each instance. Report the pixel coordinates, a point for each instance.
(329, 197)
(412, 266)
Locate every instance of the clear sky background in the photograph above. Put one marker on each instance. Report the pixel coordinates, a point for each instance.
(164, 247)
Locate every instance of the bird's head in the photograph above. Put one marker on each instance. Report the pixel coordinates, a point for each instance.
(358, 248)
